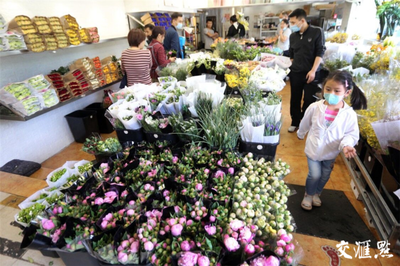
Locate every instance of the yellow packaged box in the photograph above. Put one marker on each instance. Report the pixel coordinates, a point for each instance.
(85, 35)
(42, 24)
(36, 47)
(62, 40)
(22, 24)
(73, 37)
(33, 38)
(51, 42)
(55, 24)
(69, 22)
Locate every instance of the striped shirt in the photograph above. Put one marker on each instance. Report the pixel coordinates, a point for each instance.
(136, 64)
(330, 115)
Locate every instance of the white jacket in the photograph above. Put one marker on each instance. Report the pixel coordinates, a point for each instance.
(325, 143)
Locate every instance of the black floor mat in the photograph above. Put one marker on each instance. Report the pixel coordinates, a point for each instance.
(336, 219)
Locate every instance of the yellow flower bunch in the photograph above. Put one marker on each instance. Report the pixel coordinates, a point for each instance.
(231, 80)
(244, 72)
(338, 38)
(376, 102)
(243, 82)
(382, 62)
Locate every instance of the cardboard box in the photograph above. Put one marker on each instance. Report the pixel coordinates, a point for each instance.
(355, 190)
(307, 9)
(145, 16)
(148, 21)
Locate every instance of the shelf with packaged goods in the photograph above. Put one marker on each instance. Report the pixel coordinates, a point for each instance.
(23, 52)
(382, 217)
(269, 30)
(268, 3)
(16, 117)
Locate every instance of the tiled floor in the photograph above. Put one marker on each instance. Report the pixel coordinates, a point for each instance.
(14, 189)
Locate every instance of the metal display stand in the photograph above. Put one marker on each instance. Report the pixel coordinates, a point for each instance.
(261, 24)
(382, 217)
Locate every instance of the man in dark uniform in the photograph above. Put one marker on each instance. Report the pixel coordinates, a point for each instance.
(307, 47)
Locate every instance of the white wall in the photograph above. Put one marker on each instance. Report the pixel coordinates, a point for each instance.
(363, 20)
(184, 6)
(42, 137)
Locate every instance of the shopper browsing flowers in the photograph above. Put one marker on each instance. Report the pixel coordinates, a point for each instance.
(332, 127)
(157, 51)
(136, 62)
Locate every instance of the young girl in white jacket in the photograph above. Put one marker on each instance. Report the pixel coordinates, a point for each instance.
(332, 127)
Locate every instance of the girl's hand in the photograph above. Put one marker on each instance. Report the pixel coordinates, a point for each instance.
(349, 152)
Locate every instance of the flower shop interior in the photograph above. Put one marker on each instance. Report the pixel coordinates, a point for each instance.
(198, 167)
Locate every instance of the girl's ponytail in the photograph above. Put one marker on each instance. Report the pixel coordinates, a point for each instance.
(358, 100)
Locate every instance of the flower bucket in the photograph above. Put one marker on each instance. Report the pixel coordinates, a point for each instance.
(102, 157)
(80, 257)
(156, 136)
(125, 135)
(38, 242)
(264, 150)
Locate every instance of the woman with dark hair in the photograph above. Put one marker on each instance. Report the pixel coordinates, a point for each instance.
(136, 62)
(236, 30)
(157, 51)
(283, 36)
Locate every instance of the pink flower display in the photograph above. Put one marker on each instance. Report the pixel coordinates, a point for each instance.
(231, 170)
(281, 243)
(98, 201)
(185, 246)
(272, 261)
(199, 187)
(279, 251)
(236, 225)
(210, 229)
(47, 224)
(203, 261)
(188, 259)
(231, 244)
(176, 229)
(134, 247)
(246, 234)
(122, 257)
(249, 249)
(148, 246)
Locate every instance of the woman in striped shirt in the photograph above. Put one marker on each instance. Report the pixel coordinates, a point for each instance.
(136, 62)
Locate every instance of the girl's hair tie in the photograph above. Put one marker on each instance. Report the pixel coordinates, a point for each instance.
(347, 85)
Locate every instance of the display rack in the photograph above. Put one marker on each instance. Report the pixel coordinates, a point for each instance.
(261, 22)
(23, 52)
(380, 214)
(8, 114)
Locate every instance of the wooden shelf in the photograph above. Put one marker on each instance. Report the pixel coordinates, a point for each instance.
(23, 52)
(7, 114)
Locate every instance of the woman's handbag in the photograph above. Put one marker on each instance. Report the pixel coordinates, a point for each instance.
(124, 81)
(158, 68)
